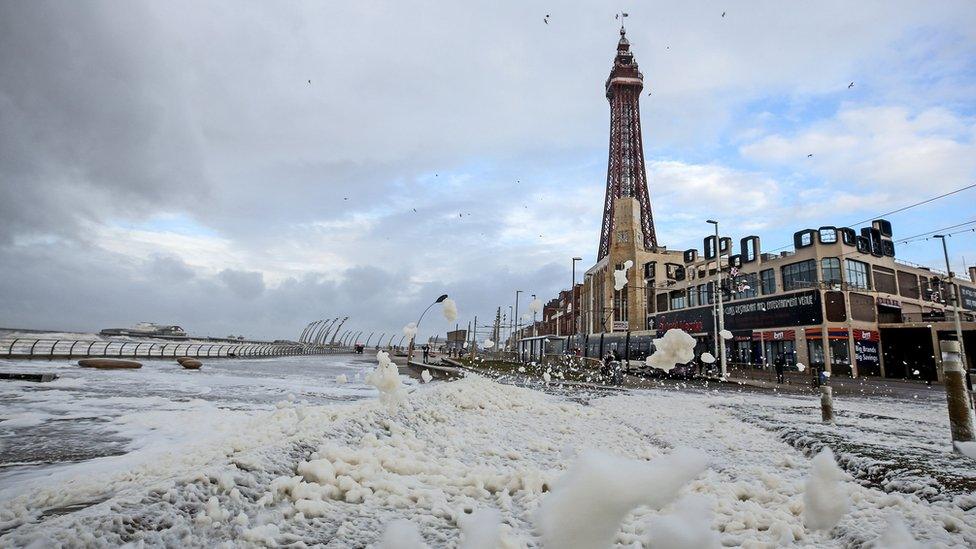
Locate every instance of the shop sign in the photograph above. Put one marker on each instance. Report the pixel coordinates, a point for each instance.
(968, 296)
(866, 354)
(620, 325)
(797, 309)
(888, 302)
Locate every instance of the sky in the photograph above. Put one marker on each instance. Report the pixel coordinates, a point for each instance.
(248, 167)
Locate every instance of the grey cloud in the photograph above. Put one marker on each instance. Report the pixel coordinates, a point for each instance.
(120, 111)
(244, 284)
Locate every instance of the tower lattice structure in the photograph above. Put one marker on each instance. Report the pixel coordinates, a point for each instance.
(626, 176)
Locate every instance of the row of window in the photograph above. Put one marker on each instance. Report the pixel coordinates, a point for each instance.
(796, 276)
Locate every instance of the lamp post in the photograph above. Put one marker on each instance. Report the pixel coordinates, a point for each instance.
(517, 331)
(954, 300)
(572, 297)
(720, 314)
(414, 336)
(961, 420)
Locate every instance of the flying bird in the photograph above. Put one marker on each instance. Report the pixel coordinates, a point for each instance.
(723, 14)
(415, 210)
(851, 85)
(309, 82)
(810, 155)
(346, 198)
(546, 19)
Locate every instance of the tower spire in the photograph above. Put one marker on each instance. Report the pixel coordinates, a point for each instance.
(626, 176)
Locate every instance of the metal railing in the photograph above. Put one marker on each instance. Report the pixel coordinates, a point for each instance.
(50, 348)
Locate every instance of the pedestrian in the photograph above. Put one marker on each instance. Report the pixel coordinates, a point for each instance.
(780, 363)
(426, 353)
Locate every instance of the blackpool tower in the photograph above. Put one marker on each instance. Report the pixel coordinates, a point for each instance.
(626, 177)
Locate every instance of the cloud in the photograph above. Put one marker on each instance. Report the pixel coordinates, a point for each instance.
(244, 284)
(889, 148)
(143, 180)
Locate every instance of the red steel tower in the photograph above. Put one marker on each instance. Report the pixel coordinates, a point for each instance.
(625, 166)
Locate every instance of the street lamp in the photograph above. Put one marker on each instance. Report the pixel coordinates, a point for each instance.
(414, 336)
(572, 297)
(718, 290)
(954, 300)
(518, 333)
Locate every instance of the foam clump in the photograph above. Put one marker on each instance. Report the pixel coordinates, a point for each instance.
(425, 376)
(688, 526)
(725, 334)
(341, 379)
(825, 498)
(588, 503)
(410, 330)
(707, 358)
(676, 347)
(620, 276)
(482, 530)
(386, 378)
(897, 536)
(401, 534)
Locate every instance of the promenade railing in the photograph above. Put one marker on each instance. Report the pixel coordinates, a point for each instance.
(51, 348)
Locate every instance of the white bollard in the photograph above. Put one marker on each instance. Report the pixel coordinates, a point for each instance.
(827, 403)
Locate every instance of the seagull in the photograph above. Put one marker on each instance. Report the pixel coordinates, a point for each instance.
(309, 82)
(546, 19)
(415, 210)
(346, 198)
(810, 155)
(851, 85)
(723, 14)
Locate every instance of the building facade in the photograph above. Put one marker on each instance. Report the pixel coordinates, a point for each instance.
(839, 300)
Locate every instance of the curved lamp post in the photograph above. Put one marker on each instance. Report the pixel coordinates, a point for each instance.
(366, 345)
(337, 330)
(400, 341)
(325, 332)
(389, 343)
(301, 338)
(322, 328)
(414, 336)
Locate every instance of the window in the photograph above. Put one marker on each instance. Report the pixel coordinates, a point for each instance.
(662, 302)
(884, 280)
(768, 280)
(802, 274)
(745, 285)
(677, 300)
(830, 270)
(908, 285)
(828, 235)
(858, 274)
(620, 305)
(692, 297)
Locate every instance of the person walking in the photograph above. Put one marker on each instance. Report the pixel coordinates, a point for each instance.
(426, 353)
(780, 363)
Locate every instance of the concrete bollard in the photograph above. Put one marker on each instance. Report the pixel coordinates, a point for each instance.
(960, 414)
(827, 403)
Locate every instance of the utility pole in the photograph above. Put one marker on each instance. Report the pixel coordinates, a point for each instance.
(721, 310)
(474, 336)
(954, 300)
